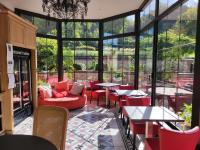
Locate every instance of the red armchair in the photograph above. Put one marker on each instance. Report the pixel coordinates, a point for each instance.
(174, 140)
(116, 98)
(96, 91)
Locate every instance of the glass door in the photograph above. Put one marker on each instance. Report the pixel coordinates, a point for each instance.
(26, 79)
(17, 104)
(22, 100)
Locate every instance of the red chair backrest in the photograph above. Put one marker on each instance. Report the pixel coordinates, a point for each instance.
(93, 85)
(126, 87)
(175, 140)
(138, 101)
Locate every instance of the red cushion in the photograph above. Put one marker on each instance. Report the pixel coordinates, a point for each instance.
(61, 86)
(57, 94)
(113, 97)
(126, 87)
(122, 103)
(93, 85)
(138, 101)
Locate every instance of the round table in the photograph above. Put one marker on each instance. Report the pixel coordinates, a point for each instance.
(24, 142)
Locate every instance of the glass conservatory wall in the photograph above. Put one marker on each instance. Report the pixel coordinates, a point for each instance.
(175, 59)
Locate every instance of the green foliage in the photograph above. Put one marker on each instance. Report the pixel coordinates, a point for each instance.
(46, 54)
(41, 82)
(188, 22)
(186, 114)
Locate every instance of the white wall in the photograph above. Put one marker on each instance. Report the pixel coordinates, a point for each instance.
(98, 9)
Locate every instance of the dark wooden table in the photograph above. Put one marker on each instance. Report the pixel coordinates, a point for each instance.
(24, 142)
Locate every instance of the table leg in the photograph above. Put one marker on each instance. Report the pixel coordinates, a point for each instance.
(149, 130)
(107, 92)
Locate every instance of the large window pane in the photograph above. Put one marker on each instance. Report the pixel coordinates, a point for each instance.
(45, 27)
(92, 30)
(80, 29)
(165, 4)
(176, 52)
(46, 59)
(68, 29)
(119, 60)
(147, 14)
(129, 24)
(108, 29)
(118, 26)
(145, 60)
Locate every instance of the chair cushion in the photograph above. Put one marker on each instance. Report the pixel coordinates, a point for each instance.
(76, 89)
(57, 94)
(114, 96)
(47, 90)
(122, 102)
(61, 86)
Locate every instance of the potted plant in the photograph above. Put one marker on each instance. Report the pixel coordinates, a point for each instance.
(186, 114)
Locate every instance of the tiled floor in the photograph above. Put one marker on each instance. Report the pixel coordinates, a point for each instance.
(89, 128)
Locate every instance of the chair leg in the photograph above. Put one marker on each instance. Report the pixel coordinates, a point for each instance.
(90, 97)
(128, 132)
(126, 126)
(98, 101)
(134, 141)
(109, 103)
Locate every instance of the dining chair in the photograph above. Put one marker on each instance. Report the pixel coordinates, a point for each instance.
(50, 123)
(138, 127)
(177, 102)
(174, 140)
(96, 91)
(114, 97)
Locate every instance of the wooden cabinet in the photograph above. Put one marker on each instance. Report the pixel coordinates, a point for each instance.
(16, 30)
(29, 38)
(20, 33)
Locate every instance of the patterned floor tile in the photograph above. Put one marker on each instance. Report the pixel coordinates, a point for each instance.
(89, 128)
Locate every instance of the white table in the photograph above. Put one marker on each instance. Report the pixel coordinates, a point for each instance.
(149, 115)
(130, 93)
(107, 85)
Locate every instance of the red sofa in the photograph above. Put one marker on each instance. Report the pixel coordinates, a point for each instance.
(70, 101)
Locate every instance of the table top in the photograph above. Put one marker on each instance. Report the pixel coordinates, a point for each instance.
(107, 84)
(170, 91)
(155, 113)
(130, 93)
(24, 142)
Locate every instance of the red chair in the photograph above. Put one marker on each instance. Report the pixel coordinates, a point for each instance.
(174, 140)
(135, 127)
(114, 97)
(96, 91)
(177, 102)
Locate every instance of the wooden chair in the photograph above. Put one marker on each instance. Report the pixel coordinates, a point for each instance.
(50, 123)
